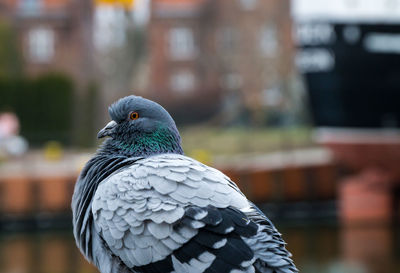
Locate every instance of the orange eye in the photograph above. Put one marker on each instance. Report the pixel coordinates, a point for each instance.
(133, 115)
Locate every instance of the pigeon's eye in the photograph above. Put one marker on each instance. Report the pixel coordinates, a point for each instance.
(133, 115)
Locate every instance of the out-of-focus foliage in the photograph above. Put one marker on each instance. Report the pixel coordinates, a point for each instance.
(10, 61)
(43, 105)
(85, 131)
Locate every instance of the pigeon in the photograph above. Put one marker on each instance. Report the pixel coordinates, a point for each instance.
(141, 205)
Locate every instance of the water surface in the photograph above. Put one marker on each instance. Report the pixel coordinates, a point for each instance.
(315, 249)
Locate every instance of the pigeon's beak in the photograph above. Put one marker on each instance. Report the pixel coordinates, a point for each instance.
(107, 130)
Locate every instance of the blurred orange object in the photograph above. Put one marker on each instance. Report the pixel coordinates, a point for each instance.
(17, 197)
(294, 184)
(54, 195)
(366, 199)
(123, 3)
(263, 187)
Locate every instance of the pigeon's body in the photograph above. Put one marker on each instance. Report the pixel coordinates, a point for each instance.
(137, 209)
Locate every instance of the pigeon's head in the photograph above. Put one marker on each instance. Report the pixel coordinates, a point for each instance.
(140, 127)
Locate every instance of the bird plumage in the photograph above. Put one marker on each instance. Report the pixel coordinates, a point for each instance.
(156, 210)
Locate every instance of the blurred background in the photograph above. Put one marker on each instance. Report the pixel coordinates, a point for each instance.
(297, 101)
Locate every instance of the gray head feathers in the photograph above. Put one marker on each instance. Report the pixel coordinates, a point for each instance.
(120, 109)
(152, 131)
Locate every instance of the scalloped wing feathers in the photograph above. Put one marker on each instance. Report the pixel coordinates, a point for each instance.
(135, 208)
(161, 209)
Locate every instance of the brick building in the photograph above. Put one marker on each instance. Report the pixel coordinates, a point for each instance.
(53, 35)
(176, 50)
(205, 50)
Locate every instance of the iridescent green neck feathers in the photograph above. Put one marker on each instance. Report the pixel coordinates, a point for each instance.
(140, 143)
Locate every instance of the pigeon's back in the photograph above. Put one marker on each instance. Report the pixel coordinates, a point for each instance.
(170, 213)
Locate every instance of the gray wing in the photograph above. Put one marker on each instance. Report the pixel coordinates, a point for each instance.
(156, 216)
(268, 245)
(136, 211)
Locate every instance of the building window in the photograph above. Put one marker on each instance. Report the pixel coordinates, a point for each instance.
(231, 81)
(30, 7)
(183, 81)
(272, 97)
(41, 44)
(110, 25)
(269, 41)
(227, 38)
(248, 4)
(181, 43)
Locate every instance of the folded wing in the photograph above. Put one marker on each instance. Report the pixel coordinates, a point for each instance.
(170, 213)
